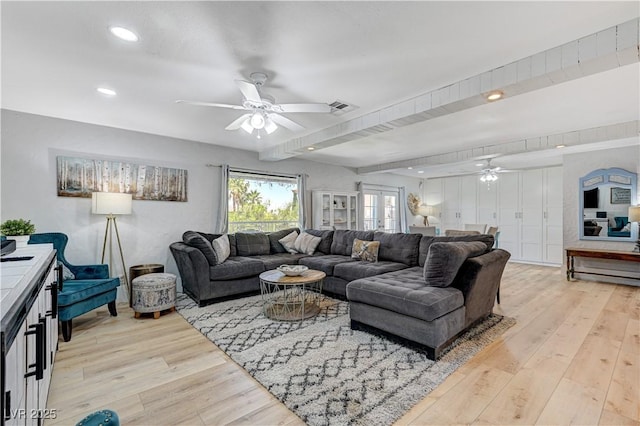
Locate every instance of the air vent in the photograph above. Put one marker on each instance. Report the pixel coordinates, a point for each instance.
(339, 107)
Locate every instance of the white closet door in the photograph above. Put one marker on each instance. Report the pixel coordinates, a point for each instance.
(487, 203)
(468, 204)
(532, 214)
(508, 189)
(553, 251)
(451, 203)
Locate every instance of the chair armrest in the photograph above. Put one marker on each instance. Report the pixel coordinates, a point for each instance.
(90, 272)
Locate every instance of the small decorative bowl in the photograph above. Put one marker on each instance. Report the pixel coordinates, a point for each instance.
(292, 270)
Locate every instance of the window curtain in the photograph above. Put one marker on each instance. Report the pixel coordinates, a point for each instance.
(303, 203)
(402, 210)
(223, 211)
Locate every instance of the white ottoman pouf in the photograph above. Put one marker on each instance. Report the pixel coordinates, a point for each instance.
(153, 293)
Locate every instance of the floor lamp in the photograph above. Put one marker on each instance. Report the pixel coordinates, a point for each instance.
(112, 204)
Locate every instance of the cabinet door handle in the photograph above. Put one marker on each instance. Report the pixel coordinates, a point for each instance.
(39, 370)
(60, 279)
(53, 313)
(43, 320)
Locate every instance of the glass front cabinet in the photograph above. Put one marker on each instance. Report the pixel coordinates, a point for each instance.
(335, 210)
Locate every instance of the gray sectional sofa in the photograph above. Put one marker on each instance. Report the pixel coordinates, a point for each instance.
(422, 288)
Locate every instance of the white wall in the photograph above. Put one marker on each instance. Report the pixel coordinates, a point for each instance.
(30, 144)
(577, 166)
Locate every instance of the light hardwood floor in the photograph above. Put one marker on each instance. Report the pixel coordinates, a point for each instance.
(572, 357)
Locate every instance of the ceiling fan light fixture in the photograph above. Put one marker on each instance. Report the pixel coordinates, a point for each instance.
(489, 176)
(270, 126)
(257, 120)
(246, 126)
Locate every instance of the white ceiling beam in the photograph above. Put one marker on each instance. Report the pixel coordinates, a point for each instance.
(577, 137)
(605, 50)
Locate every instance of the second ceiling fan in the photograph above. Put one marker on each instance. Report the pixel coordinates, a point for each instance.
(263, 113)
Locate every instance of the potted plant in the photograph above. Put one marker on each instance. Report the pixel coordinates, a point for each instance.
(18, 230)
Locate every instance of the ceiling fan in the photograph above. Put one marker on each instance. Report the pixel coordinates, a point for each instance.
(263, 113)
(490, 174)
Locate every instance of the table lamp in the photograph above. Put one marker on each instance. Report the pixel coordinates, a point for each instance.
(634, 216)
(424, 211)
(112, 204)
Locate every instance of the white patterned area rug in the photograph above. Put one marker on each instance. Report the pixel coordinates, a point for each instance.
(325, 372)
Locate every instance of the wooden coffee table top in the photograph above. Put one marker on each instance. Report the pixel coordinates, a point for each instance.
(308, 276)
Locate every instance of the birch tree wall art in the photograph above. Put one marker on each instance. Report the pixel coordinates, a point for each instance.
(79, 177)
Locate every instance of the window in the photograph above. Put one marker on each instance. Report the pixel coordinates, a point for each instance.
(262, 202)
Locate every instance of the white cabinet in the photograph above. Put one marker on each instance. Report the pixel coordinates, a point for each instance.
(335, 210)
(530, 214)
(459, 201)
(526, 206)
(29, 335)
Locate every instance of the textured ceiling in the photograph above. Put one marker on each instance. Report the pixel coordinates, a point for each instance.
(368, 54)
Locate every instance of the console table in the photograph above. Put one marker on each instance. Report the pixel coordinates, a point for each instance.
(626, 256)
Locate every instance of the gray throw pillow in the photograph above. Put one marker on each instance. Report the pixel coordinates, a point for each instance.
(276, 236)
(221, 248)
(198, 241)
(445, 259)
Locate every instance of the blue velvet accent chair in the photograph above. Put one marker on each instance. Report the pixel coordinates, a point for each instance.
(616, 231)
(84, 287)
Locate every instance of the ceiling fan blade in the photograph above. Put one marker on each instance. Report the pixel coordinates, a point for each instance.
(285, 122)
(302, 108)
(249, 91)
(210, 104)
(237, 123)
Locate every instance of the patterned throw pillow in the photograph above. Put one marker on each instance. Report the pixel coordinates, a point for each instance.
(66, 272)
(222, 248)
(288, 242)
(365, 250)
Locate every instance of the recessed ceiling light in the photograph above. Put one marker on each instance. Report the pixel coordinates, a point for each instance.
(495, 95)
(105, 91)
(123, 33)
(410, 168)
(310, 148)
(560, 146)
(420, 171)
(479, 164)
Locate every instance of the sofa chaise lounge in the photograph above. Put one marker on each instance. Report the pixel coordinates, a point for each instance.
(391, 294)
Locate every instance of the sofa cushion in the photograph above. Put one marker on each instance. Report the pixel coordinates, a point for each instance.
(342, 243)
(354, 270)
(236, 267)
(425, 243)
(221, 248)
(232, 241)
(194, 239)
(252, 244)
(398, 247)
(444, 260)
(325, 263)
(272, 261)
(405, 292)
(326, 239)
(276, 236)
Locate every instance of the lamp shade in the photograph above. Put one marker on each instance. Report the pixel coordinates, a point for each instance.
(424, 210)
(634, 214)
(111, 203)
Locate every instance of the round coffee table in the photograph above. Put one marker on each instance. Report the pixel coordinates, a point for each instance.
(294, 298)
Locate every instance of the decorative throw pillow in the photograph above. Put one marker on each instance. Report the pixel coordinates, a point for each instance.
(198, 241)
(288, 242)
(306, 243)
(445, 259)
(626, 228)
(66, 272)
(221, 248)
(365, 250)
